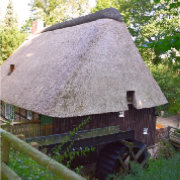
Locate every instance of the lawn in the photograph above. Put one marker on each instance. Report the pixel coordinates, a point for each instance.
(157, 169)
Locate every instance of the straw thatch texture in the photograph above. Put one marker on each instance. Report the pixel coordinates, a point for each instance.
(80, 70)
(109, 13)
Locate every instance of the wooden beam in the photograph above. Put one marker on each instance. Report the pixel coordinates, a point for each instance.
(42, 159)
(5, 150)
(8, 173)
(59, 138)
(139, 153)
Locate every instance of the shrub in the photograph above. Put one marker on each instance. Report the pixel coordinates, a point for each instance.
(69, 155)
(169, 83)
(161, 168)
(166, 150)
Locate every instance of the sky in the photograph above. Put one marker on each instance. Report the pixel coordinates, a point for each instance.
(22, 10)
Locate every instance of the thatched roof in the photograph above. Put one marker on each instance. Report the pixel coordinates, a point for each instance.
(79, 70)
(109, 13)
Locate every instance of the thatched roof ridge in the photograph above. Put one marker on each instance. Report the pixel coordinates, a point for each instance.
(109, 13)
(79, 70)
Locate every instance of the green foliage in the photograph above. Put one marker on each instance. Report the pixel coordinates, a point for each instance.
(54, 11)
(169, 83)
(28, 169)
(177, 133)
(165, 167)
(160, 50)
(10, 20)
(27, 26)
(161, 34)
(11, 38)
(68, 156)
(154, 25)
(166, 149)
(157, 169)
(136, 13)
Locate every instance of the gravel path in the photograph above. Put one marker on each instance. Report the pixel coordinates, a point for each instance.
(173, 121)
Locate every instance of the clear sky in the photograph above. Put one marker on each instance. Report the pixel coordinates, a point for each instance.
(22, 10)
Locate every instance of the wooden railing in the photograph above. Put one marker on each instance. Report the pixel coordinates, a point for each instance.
(29, 129)
(9, 140)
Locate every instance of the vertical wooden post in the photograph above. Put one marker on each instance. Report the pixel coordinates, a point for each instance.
(168, 128)
(5, 150)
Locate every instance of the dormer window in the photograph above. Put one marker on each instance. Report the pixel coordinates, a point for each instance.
(11, 68)
(130, 97)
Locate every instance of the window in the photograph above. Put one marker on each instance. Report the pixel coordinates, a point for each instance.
(130, 96)
(29, 115)
(121, 114)
(9, 112)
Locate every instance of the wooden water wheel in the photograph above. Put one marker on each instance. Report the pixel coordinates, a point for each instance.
(116, 156)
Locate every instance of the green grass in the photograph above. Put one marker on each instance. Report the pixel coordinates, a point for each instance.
(28, 169)
(158, 169)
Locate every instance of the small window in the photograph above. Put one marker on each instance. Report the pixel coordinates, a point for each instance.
(121, 114)
(29, 115)
(130, 96)
(9, 112)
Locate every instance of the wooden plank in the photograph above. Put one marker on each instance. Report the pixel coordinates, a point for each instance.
(92, 142)
(139, 153)
(5, 150)
(50, 164)
(59, 138)
(8, 173)
(124, 165)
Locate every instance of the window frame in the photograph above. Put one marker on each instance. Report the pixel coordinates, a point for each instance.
(29, 115)
(9, 112)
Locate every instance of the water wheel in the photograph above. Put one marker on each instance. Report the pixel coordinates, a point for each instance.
(116, 156)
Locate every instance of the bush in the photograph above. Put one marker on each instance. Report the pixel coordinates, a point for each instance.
(166, 149)
(169, 83)
(161, 169)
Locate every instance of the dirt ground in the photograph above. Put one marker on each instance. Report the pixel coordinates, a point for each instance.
(173, 121)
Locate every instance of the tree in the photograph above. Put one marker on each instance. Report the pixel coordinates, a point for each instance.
(27, 26)
(154, 26)
(136, 13)
(162, 42)
(11, 37)
(10, 20)
(54, 11)
(161, 34)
